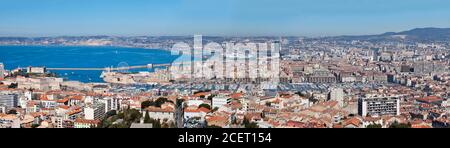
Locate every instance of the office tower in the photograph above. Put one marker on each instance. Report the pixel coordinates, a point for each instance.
(9, 100)
(375, 54)
(378, 105)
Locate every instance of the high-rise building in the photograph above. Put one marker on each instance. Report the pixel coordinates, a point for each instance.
(375, 54)
(94, 112)
(372, 105)
(9, 100)
(111, 104)
(337, 94)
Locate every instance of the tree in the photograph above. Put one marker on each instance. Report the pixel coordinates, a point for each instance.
(34, 125)
(252, 125)
(210, 97)
(165, 125)
(245, 122)
(180, 102)
(400, 125)
(132, 115)
(111, 113)
(120, 125)
(205, 106)
(172, 125)
(157, 124)
(215, 109)
(374, 126)
(147, 118)
(213, 126)
(248, 124)
(156, 103)
(13, 85)
(146, 104)
(161, 101)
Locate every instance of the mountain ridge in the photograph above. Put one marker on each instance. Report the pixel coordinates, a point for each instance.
(416, 34)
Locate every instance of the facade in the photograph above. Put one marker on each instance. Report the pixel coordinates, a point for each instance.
(161, 113)
(220, 101)
(379, 105)
(195, 113)
(112, 104)
(9, 100)
(44, 84)
(337, 94)
(36, 70)
(95, 112)
(321, 76)
(83, 123)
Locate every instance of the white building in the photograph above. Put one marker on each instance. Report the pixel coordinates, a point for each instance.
(112, 104)
(378, 105)
(9, 100)
(219, 101)
(191, 112)
(337, 94)
(84, 123)
(94, 112)
(36, 70)
(164, 113)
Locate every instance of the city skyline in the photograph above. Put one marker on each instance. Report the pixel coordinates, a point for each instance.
(226, 18)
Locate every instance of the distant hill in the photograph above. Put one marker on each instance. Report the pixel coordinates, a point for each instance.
(418, 34)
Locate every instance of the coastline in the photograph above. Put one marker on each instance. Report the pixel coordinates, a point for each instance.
(101, 46)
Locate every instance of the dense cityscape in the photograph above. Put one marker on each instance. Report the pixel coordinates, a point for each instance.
(392, 80)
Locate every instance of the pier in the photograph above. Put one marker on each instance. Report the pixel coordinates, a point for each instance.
(109, 68)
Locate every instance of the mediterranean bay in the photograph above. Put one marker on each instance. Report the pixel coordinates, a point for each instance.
(81, 57)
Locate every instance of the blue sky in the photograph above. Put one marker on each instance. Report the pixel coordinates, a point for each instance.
(218, 17)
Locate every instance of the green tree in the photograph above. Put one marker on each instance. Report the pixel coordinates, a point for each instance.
(179, 102)
(120, 125)
(34, 125)
(157, 124)
(146, 104)
(132, 115)
(210, 97)
(205, 106)
(111, 113)
(165, 125)
(213, 126)
(147, 118)
(400, 125)
(13, 85)
(172, 125)
(161, 101)
(245, 122)
(215, 109)
(248, 124)
(252, 125)
(374, 126)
